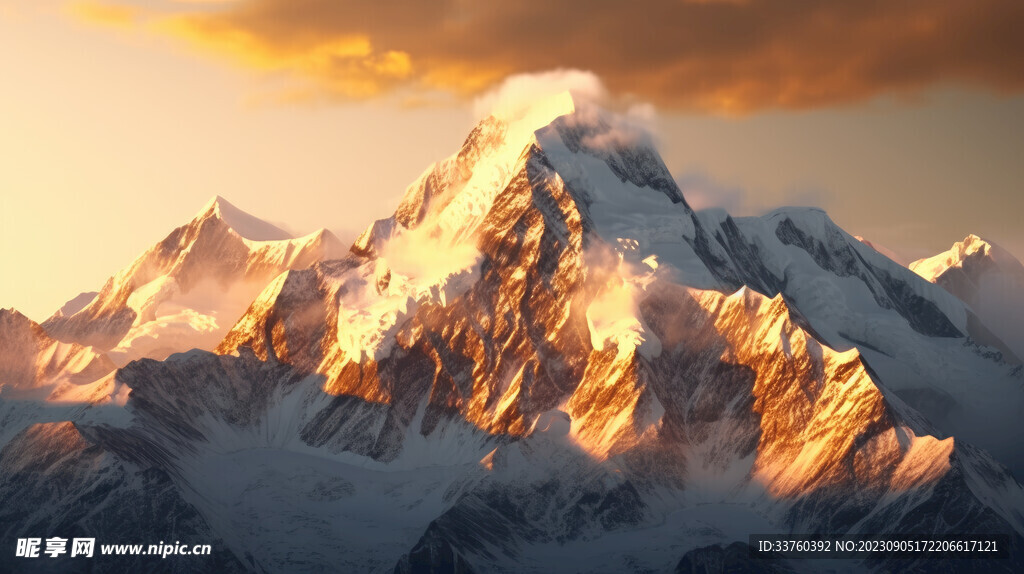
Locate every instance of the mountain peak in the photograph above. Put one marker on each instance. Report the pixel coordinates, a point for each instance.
(972, 247)
(76, 304)
(606, 161)
(538, 112)
(972, 244)
(180, 293)
(245, 225)
(12, 314)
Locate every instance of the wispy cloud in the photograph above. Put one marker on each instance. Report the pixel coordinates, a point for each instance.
(729, 56)
(703, 191)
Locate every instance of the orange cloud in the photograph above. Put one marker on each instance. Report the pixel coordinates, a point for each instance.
(731, 56)
(113, 15)
(344, 65)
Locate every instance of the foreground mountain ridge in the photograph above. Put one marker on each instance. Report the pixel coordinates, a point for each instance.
(546, 360)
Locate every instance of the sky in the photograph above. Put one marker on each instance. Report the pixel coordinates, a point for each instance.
(904, 119)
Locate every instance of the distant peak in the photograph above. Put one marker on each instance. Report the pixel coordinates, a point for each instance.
(76, 304)
(12, 315)
(332, 245)
(972, 246)
(249, 227)
(216, 201)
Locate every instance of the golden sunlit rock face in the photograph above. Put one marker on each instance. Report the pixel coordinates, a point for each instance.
(823, 421)
(548, 317)
(496, 368)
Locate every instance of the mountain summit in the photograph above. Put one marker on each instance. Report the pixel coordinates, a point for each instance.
(970, 255)
(245, 225)
(185, 291)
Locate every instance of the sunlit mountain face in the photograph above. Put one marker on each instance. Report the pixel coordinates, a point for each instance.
(544, 361)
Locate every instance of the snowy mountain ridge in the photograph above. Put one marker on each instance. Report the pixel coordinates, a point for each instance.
(186, 291)
(971, 247)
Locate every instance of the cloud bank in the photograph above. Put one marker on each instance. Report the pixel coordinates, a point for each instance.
(726, 56)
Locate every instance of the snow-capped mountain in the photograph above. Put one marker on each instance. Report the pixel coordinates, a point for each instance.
(75, 304)
(182, 294)
(989, 279)
(35, 366)
(924, 344)
(187, 290)
(546, 361)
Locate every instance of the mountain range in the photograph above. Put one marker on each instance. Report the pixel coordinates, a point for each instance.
(543, 361)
